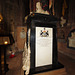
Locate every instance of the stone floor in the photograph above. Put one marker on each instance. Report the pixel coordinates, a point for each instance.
(15, 65)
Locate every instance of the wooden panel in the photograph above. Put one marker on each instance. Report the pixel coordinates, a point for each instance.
(62, 48)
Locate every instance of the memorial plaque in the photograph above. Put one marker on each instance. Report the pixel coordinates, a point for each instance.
(71, 39)
(44, 42)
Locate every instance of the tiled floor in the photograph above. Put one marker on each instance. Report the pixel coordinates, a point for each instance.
(15, 65)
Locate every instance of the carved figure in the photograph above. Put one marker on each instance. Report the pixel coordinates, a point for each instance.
(39, 9)
(63, 21)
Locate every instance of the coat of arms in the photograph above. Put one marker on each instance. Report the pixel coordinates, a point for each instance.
(44, 33)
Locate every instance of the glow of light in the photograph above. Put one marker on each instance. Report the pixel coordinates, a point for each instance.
(0, 20)
(5, 42)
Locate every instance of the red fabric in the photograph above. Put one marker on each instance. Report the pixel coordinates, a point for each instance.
(11, 56)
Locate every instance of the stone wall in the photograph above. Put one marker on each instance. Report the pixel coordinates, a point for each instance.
(13, 12)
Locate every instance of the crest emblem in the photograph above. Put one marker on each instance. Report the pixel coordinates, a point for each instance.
(44, 33)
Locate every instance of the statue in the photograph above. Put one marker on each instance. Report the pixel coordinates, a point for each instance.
(62, 22)
(39, 9)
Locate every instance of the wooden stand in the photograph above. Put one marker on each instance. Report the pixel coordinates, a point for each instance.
(3, 65)
(5, 41)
